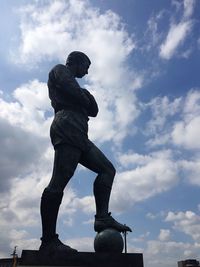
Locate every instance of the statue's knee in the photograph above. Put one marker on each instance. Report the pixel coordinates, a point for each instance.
(112, 171)
(51, 194)
(104, 179)
(66, 171)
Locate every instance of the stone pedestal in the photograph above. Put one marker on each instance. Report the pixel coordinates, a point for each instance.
(82, 259)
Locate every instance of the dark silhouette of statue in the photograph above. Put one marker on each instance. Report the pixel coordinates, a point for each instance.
(69, 136)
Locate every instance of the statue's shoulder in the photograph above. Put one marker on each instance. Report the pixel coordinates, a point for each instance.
(59, 67)
(61, 70)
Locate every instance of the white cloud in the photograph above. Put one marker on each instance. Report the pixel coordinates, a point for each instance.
(90, 221)
(131, 159)
(192, 104)
(20, 152)
(178, 32)
(164, 235)
(41, 29)
(191, 169)
(174, 122)
(151, 216)
(81, 243)
(33, 95)
(188, 8)
(28, 109)
(86, 204)
(186, 53)
(166, 252)
(162, 110)
(178, 4)
(169, 253)
(20, 207)
(175, 37)
(187, 222)
(82, 28)
(140, 238)
(186, 132)
(12, 237)
(153, 34)
(156, 173)
(117, 112)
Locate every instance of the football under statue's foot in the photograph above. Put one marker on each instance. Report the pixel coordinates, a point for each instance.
(55, 246)
(102, 223)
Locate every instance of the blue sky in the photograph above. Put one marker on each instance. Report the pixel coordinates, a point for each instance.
(145, 77)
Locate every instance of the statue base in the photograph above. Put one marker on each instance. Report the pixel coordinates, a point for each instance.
(82, 259)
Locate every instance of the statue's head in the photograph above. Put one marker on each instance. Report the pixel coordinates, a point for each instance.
(80, 62)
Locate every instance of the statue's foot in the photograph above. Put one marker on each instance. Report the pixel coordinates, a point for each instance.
(55, 246)
(102, 223)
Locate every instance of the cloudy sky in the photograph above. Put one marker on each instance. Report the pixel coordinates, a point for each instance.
(145, 78)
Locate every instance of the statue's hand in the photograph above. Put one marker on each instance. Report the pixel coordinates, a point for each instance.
(86, 92)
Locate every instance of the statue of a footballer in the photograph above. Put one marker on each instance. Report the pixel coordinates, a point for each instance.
(69, 136)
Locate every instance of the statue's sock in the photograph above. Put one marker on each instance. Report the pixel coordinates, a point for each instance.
(102, 197)
(50, 203)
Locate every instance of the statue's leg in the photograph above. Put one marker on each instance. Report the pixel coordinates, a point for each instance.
(96, 161)
(65, 162)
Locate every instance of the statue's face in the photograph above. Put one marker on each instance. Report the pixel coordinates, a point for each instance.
(82, 69)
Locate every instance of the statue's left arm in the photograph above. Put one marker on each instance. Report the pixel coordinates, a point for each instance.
(93, 107)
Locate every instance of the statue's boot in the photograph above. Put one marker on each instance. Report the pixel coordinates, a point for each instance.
(102, 223)
(103, 218)
(49, 207)
(55, 247)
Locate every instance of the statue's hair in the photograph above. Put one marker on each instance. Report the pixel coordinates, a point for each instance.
(77, 57)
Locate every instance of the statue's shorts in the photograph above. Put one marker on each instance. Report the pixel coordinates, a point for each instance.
(70, 140)
(70, 128)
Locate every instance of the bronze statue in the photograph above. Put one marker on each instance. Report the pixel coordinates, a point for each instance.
(69, 136)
